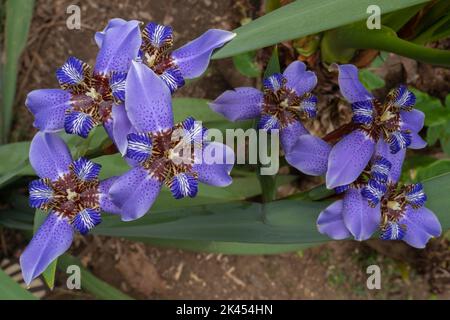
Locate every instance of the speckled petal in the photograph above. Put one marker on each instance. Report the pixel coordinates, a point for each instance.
(348, 158)
(134, 193)
(349, 84)
(49, 155)
(360, 219)
(331, 222)
(299, 79)
(48, 107)
(215, 166)
(148, 110)
(421, 225)
(52, 239)
(290, 135)
(309, 155)
(239, 104)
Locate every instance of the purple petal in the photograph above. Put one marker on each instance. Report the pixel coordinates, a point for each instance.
(120, 45)
(48, 107)
(216, 164)
(239, 104)
(421, 225)
(193, 58)
(396, 160)
(299, 79)
(173, 78)
(348, 158)
(85, 169)
(309, 155)
(359, 218)
(134, 193)
(100, 35)
(402, 98)
(121, 127)
(106, 203)
(274, 82)
(350, 86)
(412, 120)
(158, 35)
(290, 135)
(52, 239)
(148, 100)
(331, 223)
(86, 219)
(79, 123)
(73, 72)
(416, 141)
(49, 156)
(183, 185)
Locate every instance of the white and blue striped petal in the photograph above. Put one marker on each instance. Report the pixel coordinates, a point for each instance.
(86, 219)
(308, 105)
(362, 112)
(158, 35)
(194, 132)
(415, 195)
(393, 231)
(79, 123)
(268, 122)
(402, 98)
(173, 78)
(380, 169)
(373, 192)
(342, 189)
(274, 82)
(72, 72)
(139, 146)
(399, 140)
(117, 85)
(85, 169)
(41, 193)
(183, 185)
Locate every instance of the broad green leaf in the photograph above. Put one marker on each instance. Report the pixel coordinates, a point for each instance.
(11, 290)
(301, 18)
(397, 19)
(435, 169)
(12, 156)
(196, 108)
(246, 64)
(49, 273)
(91, 283)
(412, 164)
(370, 80)
(435, 112)
(18, 18)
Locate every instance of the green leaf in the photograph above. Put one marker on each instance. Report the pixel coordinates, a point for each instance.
(273, 66)
(18, 18)
(91, 283)
(49, 273)
(246, 64)
(339, 44)
(301, 18)
(435, 112)
(11, 290)
(435, 169)
(412, 164)
(194, 107)
(370, 80)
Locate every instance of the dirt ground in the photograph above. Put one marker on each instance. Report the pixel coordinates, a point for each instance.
(331, 271)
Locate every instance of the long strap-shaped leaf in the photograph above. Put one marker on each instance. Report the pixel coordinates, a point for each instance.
(289, 222)
(11, 290)
(302, 18)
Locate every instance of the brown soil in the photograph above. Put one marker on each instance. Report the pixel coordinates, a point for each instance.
(333, 271)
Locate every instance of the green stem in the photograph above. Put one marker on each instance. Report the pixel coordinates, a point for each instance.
(384, 39)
